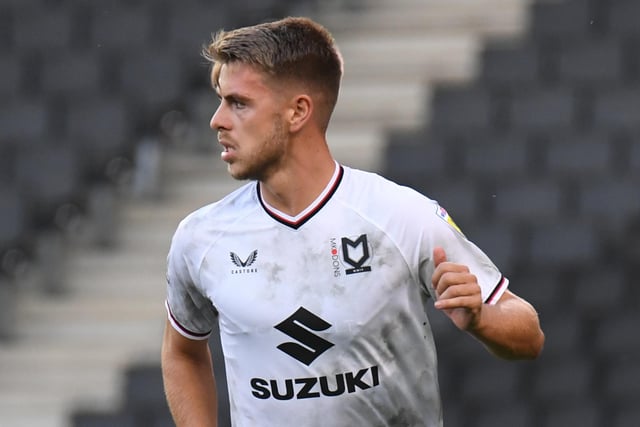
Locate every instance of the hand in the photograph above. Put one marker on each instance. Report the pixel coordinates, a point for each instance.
(457, 291)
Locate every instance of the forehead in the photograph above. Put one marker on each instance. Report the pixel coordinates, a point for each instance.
(238, 77)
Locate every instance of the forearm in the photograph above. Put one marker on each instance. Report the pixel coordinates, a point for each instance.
(190, 388)
(510, 329)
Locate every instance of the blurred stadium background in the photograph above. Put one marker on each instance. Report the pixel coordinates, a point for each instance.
(521, 117)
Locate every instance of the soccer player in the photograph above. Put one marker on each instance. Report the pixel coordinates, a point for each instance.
(319, 275)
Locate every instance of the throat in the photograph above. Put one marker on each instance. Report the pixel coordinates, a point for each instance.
(299, 205)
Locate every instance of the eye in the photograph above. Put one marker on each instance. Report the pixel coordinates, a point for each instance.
(237, 104)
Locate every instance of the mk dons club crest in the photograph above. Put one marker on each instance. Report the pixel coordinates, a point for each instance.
(352, 253)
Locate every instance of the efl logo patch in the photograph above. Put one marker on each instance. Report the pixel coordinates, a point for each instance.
(442, 213)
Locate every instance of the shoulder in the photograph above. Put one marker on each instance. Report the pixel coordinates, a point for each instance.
(376, 193)
(218, 215)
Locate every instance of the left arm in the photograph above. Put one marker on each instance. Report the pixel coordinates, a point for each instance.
(510, 329)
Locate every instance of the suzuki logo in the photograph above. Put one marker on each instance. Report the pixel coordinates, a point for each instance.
(297, 326)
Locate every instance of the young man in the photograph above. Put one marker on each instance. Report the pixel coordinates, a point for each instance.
(317, 274)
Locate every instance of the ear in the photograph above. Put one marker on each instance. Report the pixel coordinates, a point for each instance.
(300, 112)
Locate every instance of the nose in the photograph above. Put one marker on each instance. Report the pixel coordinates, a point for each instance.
(217, 122)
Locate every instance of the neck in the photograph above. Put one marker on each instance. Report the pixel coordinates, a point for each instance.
(294, 187)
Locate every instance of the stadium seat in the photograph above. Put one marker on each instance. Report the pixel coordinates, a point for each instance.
(618, 109)
(496, 157)
(23, 120)
(593, 63)
(610, 202)
(72, 74)
(634, 159)
(144, 390)
(564, 334)
(540, 110)
(573, 156)
(8, 156)
(622, 380)
(38, 27)
(48, 177)
(191, 25)
(13, 215)
(463, 110)
(100, 130)
(533, 202)
(153, 81)
(118, 25)
(622, 19)
(10, 77)
(567, 379)
(501, 414)
(93, 419)
(412, 158)
(499, 241)
(493, 382)
(561, 22)
(599, 292)
(626, 415)
(564, 244)
(615, 336)
(512, 67)
(586, 413)
(545, 289)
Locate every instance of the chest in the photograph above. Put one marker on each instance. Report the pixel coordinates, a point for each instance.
(346, 272)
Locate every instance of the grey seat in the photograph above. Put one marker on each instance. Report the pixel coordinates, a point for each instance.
(623, 18)
(528, 201)
(540, 110)
(122, 27)
(153, 81)
(48, 178)
(586, 413)
(564, 243)
(618, 109)
(463, 109)
(513, 66)
(23, 119)
(561, 22)
(579, 156)
(101, 130)
(13, 222)
(622, 379)
(38, 27)
(10, 77)
(72, 74)
(567, 379)
(592, 63)
(95, 419)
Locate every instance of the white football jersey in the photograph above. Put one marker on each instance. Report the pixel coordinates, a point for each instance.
(322, 316)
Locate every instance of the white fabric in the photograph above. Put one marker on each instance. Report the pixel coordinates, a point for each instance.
(352, 276)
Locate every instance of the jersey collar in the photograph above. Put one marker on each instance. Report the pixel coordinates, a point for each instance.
(297, 221)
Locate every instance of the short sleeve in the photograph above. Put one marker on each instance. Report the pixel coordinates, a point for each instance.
(443, 232)
(189, 311)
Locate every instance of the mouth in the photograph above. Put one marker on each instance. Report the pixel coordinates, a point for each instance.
(227, 150)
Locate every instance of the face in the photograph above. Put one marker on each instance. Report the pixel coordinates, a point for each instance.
(249, 123)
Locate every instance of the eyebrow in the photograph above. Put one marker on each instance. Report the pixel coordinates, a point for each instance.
(233, 97)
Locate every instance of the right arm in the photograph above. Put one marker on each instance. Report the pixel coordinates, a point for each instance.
(189, 383)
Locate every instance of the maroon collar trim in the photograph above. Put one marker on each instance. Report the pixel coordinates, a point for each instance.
(318, 204)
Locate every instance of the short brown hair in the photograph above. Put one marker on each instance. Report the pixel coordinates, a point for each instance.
(291, 49)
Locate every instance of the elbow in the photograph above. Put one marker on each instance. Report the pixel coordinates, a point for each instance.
(537, 346)
(531, 350)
